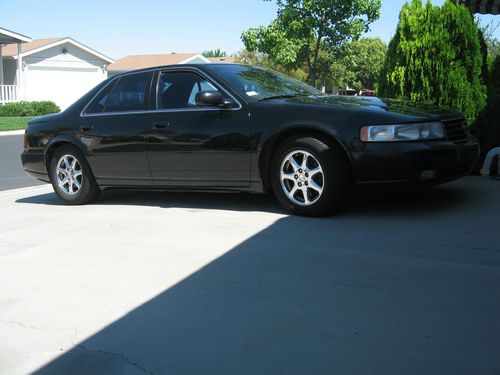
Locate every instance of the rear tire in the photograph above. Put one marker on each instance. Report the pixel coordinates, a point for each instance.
(71, 176)
(311, 176)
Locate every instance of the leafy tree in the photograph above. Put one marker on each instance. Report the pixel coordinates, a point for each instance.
(258, 59)
(492, 42)
(436, 57)
(214, 53)
(341, 77)
(305, 27)
(487, 126)
(364, 59)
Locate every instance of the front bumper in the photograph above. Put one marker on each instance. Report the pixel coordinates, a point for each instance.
(419, 163)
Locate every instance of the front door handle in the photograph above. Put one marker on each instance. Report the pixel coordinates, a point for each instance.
(86, 128)
(160, 125)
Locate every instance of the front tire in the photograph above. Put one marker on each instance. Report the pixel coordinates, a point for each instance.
(71, 176)
(310, 176)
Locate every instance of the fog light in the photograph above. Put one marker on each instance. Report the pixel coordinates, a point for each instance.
(428, 175)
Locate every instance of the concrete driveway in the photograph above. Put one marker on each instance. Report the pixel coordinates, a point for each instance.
(12, 174)
(170, 283)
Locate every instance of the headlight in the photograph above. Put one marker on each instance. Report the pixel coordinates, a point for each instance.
(403, 132)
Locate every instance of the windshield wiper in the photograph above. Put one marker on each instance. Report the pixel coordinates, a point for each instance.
(282, 96)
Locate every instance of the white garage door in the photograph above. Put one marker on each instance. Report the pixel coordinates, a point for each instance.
(60, 85)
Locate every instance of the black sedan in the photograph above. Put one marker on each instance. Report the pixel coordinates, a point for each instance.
(229, 127)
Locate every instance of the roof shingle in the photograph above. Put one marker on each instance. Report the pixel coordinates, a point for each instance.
(11, 49)
(133, 62)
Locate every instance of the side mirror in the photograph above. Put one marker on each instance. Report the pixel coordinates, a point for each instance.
(211, 99)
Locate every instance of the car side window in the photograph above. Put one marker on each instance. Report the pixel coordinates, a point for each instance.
(97, 105)
(129, 94)
(177, 90)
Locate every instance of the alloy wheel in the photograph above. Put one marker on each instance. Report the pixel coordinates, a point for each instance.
(69, 174)
(302, 178)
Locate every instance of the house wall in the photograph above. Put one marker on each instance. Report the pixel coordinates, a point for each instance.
(61, 77)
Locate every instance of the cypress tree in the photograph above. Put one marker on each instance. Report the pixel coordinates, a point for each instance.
(435, 56)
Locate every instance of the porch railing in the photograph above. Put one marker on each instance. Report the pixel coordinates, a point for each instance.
(9, 93)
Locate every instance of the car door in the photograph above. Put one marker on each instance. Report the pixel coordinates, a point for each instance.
(114, 128)
(193, 146)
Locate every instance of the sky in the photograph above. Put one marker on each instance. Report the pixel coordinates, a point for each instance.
(127, 27)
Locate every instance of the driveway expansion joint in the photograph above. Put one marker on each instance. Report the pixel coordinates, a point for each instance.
(120, 355)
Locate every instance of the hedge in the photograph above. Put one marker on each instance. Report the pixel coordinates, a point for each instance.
(487, 125)
(32, 109)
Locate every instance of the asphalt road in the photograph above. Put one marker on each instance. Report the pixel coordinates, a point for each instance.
(12, 174)
(182, 283)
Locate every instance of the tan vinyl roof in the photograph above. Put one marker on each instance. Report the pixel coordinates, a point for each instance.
(133, 62)
(11, 49)
(229, 59)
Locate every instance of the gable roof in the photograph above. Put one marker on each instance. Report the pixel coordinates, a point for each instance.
(11, 49)
(134, 62)
(9, 37)
(38, 45)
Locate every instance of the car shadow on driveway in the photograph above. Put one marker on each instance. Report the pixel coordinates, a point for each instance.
(380, 203)
(382, 291)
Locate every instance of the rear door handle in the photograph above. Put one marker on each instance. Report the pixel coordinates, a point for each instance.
(160, 125)
(86, 128)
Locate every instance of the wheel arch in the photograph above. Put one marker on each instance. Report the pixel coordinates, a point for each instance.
(270, 145)
(58, 142)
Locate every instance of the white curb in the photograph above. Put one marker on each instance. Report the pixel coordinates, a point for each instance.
(12, 132)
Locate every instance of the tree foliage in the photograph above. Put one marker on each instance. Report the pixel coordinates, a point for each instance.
(492, 42)
(436, 57)
(303, 28)
(259, 59)
(487, 126)
(365, 58)
(214, 53)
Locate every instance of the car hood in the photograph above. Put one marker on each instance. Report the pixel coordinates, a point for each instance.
(375, 104)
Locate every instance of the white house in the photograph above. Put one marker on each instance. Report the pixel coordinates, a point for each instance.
(133, 62)
(56, 69)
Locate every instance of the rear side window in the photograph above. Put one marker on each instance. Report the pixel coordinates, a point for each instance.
(97, 105)
(130, 93)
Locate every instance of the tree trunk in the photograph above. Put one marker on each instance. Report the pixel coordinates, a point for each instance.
(312, 72)
(314, 65)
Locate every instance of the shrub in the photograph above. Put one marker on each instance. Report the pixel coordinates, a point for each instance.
(21, 109)
(436, 57)
(487, 126)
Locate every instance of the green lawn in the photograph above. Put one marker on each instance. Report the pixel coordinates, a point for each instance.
(13, 123)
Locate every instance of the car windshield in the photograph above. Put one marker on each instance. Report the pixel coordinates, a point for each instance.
(261, 84)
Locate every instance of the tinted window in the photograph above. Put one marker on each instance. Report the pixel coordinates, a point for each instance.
(129, 94)
(97, 105)
(178, 89)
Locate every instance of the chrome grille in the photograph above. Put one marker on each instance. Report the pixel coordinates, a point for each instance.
(456, 129)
